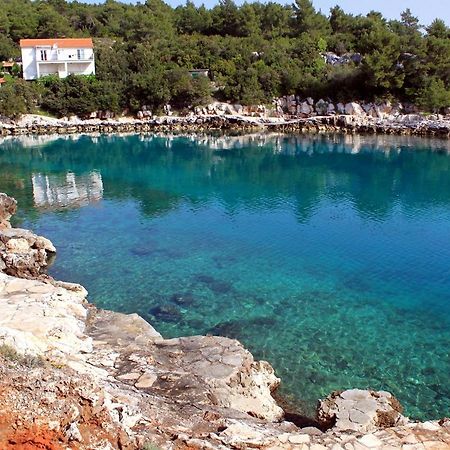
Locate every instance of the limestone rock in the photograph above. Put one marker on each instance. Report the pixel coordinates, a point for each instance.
(321, 107)
(354, 109)
(22, 253)
(17, 245)
(340, 108)
(360, 410)
(8, 207)
(38, 318)
(304, 108)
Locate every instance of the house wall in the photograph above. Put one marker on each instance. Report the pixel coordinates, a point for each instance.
(29, 63)
(31, 57)
(87, 68)
(49, 69)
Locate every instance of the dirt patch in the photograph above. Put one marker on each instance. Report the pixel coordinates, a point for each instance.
(27, 437)
(47, 408)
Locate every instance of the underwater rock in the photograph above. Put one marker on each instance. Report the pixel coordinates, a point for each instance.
(215, 285)
(237, 328)
(167, 313)
(143, 250)
(182, 299)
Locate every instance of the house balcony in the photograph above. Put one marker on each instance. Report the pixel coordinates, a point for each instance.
(60, 58)
(65, 67)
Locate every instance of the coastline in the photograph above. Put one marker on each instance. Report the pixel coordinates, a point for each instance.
(128, 387)
(406, 124)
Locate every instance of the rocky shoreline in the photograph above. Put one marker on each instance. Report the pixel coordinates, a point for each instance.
(74, 376)
(400, 124)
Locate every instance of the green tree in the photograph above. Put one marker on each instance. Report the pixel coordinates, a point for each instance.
(17, 97)
(434, 96)
(438, 29)
(380, 64)
(308, 20)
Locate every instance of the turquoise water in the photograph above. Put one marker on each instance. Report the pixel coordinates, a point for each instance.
(327, 256)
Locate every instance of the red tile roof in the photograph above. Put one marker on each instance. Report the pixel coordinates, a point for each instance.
(60, 43)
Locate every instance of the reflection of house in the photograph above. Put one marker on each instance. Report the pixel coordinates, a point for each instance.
(60, 57)
(67, 191)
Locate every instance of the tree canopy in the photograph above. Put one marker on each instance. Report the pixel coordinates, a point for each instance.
(254, 52)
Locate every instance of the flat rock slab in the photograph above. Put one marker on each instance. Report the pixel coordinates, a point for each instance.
(205, 370)
(37, 318)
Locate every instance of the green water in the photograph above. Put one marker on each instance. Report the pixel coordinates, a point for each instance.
(328, 257)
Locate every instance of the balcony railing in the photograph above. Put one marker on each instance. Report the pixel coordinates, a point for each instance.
(52, 56)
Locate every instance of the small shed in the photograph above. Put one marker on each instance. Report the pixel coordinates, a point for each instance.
(196, 73)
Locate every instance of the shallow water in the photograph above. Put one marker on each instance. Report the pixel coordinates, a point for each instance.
(327, 256)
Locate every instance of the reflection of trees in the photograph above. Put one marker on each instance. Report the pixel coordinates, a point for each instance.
(251, 171)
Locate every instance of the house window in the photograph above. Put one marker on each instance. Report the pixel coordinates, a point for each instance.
(80, 53)
(43, 55)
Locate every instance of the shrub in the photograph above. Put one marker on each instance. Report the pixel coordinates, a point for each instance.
(435, 96)
(18, 97)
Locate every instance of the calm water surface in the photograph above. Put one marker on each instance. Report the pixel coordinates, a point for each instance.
(328, 257)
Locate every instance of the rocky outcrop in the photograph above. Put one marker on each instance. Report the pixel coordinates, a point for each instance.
(354, 109)
(7, 209)
(205, 370)
(22, 253)
(74, 376)
(360, 410)
(363, 124)
(41, 319)
(289, 113)
(335, 60)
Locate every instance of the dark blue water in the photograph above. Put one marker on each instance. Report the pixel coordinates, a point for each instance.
(329, 257)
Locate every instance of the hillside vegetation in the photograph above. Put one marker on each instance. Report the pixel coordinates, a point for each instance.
(254, 52)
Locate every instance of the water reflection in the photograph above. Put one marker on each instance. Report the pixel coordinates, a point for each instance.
(66, 191)
(374, 173)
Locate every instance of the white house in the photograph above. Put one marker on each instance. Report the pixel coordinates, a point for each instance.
(62, 57)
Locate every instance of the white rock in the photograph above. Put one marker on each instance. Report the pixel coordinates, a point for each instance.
(371, 441)
(354, 109)
(304, 108)
(18, 245)
(73, 433)
(299, 439)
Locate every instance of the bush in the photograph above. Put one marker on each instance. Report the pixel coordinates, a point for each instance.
(435, 96)
(78, 95)
(18, 97)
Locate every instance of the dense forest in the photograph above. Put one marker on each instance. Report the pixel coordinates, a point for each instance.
(254, 52)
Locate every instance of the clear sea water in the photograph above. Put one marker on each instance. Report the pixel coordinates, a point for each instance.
(327, 256)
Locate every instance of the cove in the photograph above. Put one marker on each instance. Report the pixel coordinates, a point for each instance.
(328, 256)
